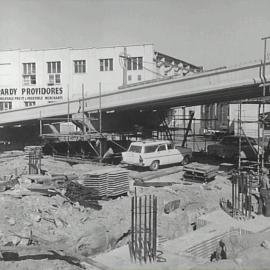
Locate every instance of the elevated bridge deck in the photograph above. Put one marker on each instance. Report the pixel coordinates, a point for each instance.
(202, 88)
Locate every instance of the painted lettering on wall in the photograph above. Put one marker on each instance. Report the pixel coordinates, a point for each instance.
(31, 93)
(43, 91)
(8, 92)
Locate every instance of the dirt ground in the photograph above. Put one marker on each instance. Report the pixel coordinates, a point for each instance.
(33, 224)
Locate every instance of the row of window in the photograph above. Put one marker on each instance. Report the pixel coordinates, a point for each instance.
(7, 105)
(54, 69)
(135, 63)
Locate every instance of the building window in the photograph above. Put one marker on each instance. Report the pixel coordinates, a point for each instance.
(135, 63)
(54, 71)
(29, 103)
(129, 77)
(5, 106)
(79, 66)
(139, 77)
(29, 73)
(106, 64)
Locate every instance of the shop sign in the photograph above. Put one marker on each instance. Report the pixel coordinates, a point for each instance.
(31, 93)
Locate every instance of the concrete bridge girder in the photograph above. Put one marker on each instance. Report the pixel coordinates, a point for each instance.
(202, 88)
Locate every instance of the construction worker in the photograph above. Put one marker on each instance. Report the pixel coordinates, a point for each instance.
(223, 253)
(220, 253)
(265, 179)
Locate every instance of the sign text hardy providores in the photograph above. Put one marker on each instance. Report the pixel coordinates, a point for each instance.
(31, 91)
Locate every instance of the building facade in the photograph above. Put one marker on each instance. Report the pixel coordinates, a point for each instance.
(37, 77)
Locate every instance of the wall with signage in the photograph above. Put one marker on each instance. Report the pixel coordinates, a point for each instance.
(37, 77)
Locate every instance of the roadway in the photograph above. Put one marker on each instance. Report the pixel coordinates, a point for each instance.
(228, 84)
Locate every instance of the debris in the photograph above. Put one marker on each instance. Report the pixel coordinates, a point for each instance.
(11, 221)
(93, 242)
(141, 183)
(217, 187)
(10, 183)
(35, 217)
(85, 196)
(265, 244)
(60, 223)
(2, 187)
(39, 179)
(65, 221)
(171, 206)
(12, 240)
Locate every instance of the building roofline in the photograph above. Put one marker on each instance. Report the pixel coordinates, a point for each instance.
(71, 48)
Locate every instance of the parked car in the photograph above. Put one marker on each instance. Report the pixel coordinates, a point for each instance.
(186, 153)
(228, 148)
(152, 154)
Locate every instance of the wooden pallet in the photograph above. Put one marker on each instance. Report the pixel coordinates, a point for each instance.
(200, 172)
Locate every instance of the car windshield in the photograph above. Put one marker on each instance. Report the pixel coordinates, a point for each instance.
(135, 149)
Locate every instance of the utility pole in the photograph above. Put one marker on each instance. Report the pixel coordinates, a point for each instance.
(264, 90)
(68, 118)
(100, 123)
(40, 125)
(83, 116)
(125, 67)
(68, 106)
(240, 134)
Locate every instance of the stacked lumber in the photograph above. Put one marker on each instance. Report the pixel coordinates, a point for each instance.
(107, 182)
(96, 180)
(117, 182)
(200, 172)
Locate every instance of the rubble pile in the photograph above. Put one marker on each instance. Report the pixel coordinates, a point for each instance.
(39, 213)
(53, 212)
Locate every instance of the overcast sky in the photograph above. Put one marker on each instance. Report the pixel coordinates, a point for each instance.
(210, 33)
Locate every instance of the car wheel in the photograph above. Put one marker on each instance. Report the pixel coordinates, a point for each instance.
(186, 160)
(154, 165)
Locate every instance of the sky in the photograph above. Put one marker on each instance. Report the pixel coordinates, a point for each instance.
(209, 33)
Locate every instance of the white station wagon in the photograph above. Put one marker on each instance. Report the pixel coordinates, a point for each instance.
(151, 154)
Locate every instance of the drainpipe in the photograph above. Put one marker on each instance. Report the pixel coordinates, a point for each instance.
(125, 67)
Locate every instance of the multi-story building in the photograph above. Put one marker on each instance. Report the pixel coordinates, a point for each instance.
(36, 77)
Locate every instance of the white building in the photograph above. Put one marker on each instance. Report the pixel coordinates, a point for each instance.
(36, 77)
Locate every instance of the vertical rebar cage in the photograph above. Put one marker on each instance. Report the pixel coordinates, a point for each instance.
(241, 194)
(34, 164)
(143, 242)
